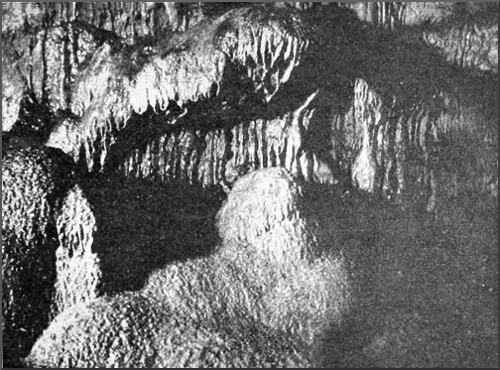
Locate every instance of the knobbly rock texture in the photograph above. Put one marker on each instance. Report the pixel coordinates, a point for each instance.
(268, 280)
(263, 211)
(131, 331)
(77, 266)
(47, 232)
(398, 100)
(301, 300)
(305, 285)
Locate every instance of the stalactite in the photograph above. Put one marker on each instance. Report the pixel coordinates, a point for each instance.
(185, 147)
(367, 105)
(69, 67)
(390, 14)
(184, 159)
(119, 17)
(399, 160)
(251, 146)
(14, 84)
(205, 167)
(66, 65)
(469, 46)
(54, 62)
(258, 48)
(261, 143)
(18, 15)
(221, 157)
(178, 76)
(401, 144)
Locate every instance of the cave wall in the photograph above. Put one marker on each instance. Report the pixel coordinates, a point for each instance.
(220, 156)
(412, 155)
(415, 135)
(466, 33)
(100, 80)
(316, 91)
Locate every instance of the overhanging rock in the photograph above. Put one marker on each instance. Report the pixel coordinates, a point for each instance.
(186, 68)
(383, 109)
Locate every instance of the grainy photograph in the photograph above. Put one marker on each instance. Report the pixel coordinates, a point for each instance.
(249, 184)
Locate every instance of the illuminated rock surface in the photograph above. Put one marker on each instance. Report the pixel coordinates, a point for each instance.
(166, 106)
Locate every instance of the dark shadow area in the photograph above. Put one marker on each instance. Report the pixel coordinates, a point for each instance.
(143, 225)
(34, 181)
(32, 128)
(425, 288)
(410, 76)
(26, 297)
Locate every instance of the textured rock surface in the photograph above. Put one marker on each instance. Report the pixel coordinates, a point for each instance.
(305, 284)
(397, 99)
(67, 64)
(13, 89)
(128, 20)
(393, 132)
(47, 231)
(225, 116)
(263, 213)
(221, 156)
(78, 267)
(465, 33)
(133, 331)
(266, 277)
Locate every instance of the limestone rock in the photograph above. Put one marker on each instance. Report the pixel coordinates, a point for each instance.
(135, 332)
(47, 231)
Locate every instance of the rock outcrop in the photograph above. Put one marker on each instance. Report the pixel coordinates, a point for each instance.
(47, 234)
(304, 282)
(131, 331)
(72, 63)
(371, 101)
(268, 276)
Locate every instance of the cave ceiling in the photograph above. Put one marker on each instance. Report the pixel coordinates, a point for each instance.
(398, 99)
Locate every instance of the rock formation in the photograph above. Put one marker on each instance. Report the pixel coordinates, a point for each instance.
(197, 93)
(269, 275)
(371, 101)
(133, 331)
(47, 233)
